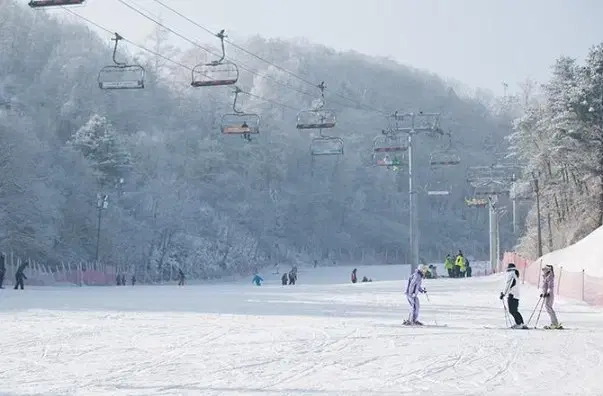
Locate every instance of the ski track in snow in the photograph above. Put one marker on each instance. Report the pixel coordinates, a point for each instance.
(314, 338)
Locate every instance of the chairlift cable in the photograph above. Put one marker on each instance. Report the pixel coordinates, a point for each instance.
(129, 41)
(293, 74)
(209, 51)
(139, 46)
(179, 64)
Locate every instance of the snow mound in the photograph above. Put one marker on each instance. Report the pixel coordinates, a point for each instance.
(586, 254)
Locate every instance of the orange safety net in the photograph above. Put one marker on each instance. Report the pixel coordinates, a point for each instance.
(575, 285)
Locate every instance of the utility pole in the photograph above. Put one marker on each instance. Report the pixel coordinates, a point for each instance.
(538, 214)
(409, 123)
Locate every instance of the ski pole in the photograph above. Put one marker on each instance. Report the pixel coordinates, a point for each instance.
(507, 321)
(435, 319)
(538, 317)
(534, 310)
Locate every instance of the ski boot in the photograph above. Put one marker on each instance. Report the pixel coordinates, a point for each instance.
(519, 326)
(409, 323)
(553, 327)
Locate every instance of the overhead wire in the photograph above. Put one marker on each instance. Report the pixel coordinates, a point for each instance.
(168, 59)
(285, 85)
(284, 70)
(253, 72)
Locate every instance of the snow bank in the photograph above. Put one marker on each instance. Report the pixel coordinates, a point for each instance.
(586, 254)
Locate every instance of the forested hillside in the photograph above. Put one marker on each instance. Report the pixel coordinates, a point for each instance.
(181, 194)
(559, 139)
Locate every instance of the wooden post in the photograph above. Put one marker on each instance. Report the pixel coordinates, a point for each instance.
(582, 284)
(559, 279)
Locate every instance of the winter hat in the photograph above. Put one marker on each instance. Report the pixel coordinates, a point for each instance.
(510, 265)
(547, 268)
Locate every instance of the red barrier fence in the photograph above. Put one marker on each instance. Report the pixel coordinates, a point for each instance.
(67, 274)
(570, 284)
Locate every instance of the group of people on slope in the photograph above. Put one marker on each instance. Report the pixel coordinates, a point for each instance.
(354, 277)
(19, 274)
(459, 267)
(547, 293)
(510, 290)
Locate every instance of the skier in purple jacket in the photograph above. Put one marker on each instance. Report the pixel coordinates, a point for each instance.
(548, 293)
(413, 288)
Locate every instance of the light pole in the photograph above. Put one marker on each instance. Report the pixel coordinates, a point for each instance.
(411, 130)
(102, 202)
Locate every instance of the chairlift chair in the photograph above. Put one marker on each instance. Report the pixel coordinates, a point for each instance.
(326, 145)
(476, 202)
(316, 119)
(389, 150)
(215, 73)
(238, 122)
(54, 3)
(490, 188)
(444, 157)
(438, 189)
(121, 75)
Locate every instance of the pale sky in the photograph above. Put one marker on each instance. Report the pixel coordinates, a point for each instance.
(478, 42)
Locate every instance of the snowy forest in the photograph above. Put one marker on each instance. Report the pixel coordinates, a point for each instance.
(175, 192)
(558, 139)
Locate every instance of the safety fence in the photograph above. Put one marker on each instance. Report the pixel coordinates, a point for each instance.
(39, 274)
(570, 284)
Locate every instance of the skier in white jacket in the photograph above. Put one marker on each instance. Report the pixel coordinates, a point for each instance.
(511, 290)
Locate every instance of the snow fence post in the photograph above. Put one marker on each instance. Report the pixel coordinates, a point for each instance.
(523, 275)
(582, 284)
(540, 272)
(559, 279)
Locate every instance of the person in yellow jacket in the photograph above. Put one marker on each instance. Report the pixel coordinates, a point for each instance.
(459, 265)
(449, 266)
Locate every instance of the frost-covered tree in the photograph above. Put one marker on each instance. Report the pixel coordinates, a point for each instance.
(100, 144)
(560, 142)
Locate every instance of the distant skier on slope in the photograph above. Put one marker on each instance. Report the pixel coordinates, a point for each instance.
(2, 269)
(181, 277)
(20, 275)
(257, 280)
(413, 288)
(511, 290)
(353, 277)
(548, 293)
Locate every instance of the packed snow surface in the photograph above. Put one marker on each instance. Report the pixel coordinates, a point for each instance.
(322, 337)
(586, 254)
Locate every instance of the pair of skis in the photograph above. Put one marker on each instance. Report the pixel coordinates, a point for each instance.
(410, 324)
(527, 328)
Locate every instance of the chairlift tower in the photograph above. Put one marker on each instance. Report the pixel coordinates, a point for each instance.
(413, 124)
(492, 182)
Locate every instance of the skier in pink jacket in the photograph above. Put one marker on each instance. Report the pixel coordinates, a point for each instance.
(548, 293)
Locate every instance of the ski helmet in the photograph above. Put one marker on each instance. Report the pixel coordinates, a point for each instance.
(511, 265)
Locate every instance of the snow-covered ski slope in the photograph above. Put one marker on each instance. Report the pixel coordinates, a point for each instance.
(319, 337)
